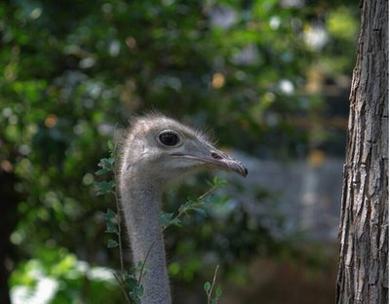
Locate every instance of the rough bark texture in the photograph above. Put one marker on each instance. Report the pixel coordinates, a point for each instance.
(363, 266)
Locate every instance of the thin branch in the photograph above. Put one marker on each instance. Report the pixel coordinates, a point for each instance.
(209, 294)
(207, 193)
(198, 204)
(121, 283)
(144, 262)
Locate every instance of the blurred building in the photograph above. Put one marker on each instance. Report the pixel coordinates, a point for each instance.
(305, 194)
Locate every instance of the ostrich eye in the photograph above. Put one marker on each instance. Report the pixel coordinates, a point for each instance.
(169, 138)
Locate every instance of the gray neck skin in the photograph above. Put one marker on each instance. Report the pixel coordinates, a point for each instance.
(141, 201)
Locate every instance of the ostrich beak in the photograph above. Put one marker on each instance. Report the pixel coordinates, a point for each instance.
(224, 161)
(218, 159)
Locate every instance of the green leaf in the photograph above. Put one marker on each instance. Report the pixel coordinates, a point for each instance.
(112, 243)
(104, 187)
(101, 172)
(217, 182)
(139, 290)
(169, 219)
(165, 218)
(135, 290)
(218, 292)
(207, 286)
(131, 282)
(111, 228)
(111, 220)
(175, 222)
(106, 165)
(110, 216)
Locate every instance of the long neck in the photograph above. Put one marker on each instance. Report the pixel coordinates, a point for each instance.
(141, 202)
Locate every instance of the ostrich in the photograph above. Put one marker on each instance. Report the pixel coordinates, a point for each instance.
(157, 150)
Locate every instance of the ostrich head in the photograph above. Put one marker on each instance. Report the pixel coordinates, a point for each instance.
(164, 149)
(155, 151)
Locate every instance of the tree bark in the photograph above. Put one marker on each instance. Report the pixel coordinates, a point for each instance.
(363, 256)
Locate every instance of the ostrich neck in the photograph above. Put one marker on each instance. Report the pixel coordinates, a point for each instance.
(141, 201)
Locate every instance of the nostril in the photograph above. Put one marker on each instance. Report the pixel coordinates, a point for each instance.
(216, 155)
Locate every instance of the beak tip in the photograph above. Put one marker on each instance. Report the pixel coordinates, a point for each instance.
(245, 172)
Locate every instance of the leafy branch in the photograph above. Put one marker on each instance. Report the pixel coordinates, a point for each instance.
(196, 205)
(213, 294)
(127, 279)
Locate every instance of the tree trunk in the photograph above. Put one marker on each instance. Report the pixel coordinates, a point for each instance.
(363, 265)
(8, 220)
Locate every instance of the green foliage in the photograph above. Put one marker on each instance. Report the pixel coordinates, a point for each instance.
(128, 280)
(60, 276)
(136, 290)
(342, 24)
(130, 284)
(104, 187)
(106, 165)
(169, 219)
(112, 243)
(111, 220)
(195, 205)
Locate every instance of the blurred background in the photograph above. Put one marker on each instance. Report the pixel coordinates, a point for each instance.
(269, 78)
